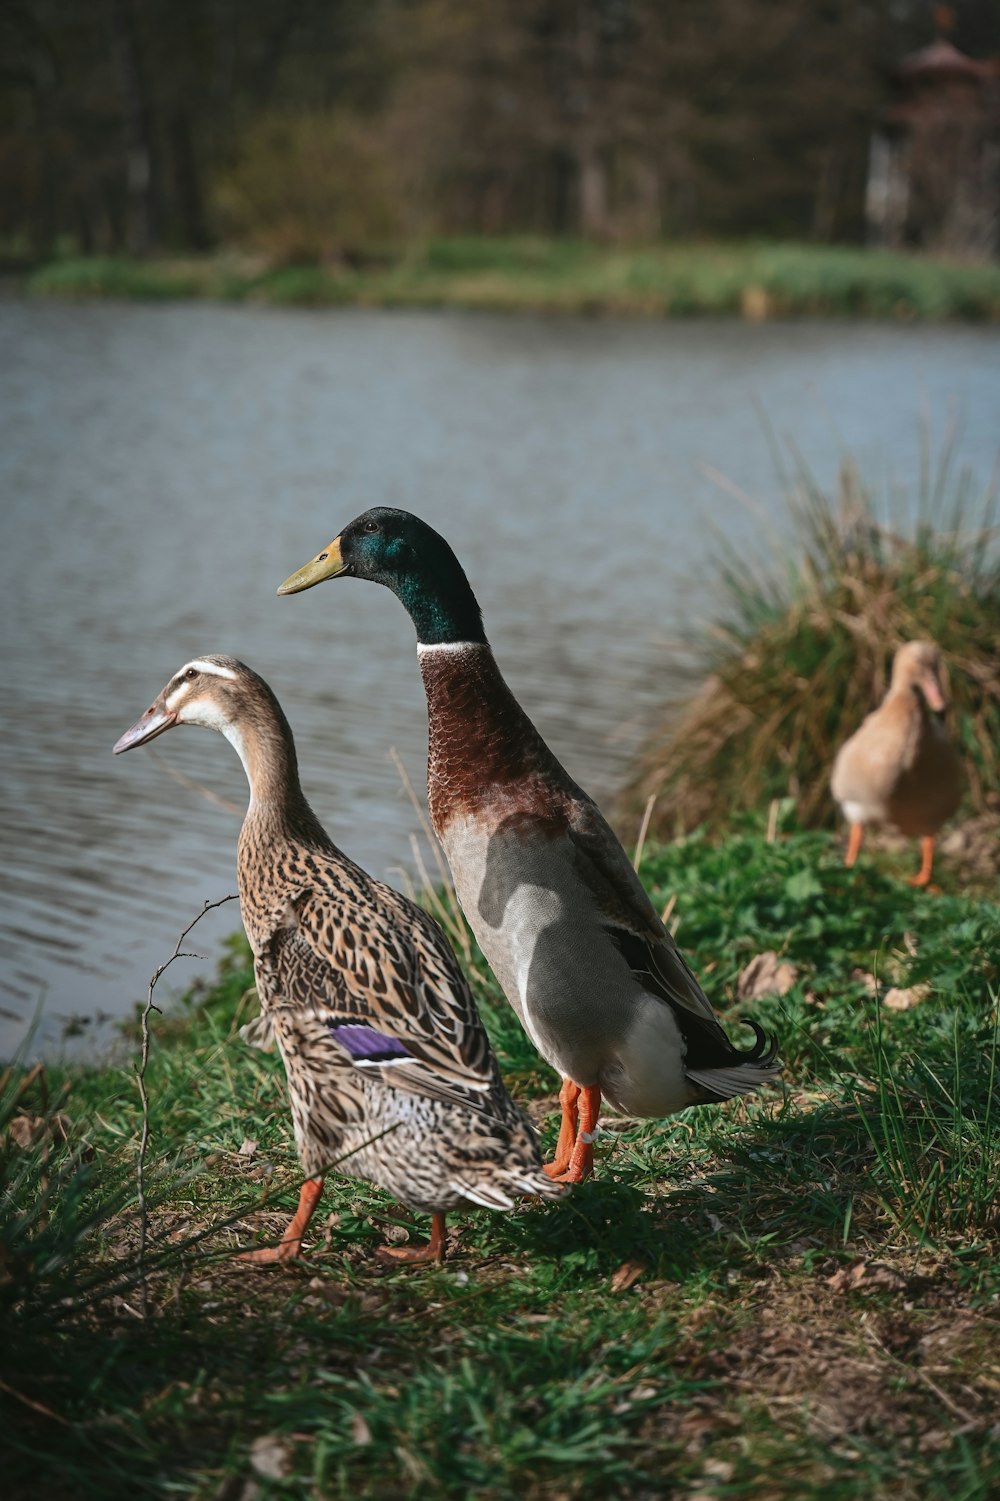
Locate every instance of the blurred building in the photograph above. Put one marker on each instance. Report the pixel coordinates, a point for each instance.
(934, 167)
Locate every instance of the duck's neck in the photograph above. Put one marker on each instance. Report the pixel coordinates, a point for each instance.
(910, 699)
(479, 739)
(263, 740)
(440, 602)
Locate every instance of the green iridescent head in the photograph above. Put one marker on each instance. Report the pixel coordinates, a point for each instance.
(397, 549)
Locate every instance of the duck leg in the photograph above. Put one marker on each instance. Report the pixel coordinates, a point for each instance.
(581, 1163)
(433, 1251)
(923, 876)
(569, 1096)
(291, 1242)
(854, 844)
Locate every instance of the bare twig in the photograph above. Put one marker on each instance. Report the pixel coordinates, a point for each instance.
(643, 831)
(449, 913)
(35, 1406)
(404, 776)
(141, 1077)
(772, 819)
(185, 781)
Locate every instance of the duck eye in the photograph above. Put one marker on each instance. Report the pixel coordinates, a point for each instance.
(192, 672)
(371, 526)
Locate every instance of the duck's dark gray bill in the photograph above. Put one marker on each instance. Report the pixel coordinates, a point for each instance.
(155, 720)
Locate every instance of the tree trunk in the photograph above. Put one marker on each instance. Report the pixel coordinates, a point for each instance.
(187, 184)
(593, 193)
(142, 176)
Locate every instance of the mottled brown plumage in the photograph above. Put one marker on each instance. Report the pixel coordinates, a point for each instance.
(390, 1073)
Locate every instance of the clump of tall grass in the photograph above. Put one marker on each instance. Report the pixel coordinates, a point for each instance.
(932, 1125)
(801, 652)
(55, 1200)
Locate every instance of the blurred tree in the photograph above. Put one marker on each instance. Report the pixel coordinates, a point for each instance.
(630, 118)
(308, 187)
(133, 124)
(116, 114)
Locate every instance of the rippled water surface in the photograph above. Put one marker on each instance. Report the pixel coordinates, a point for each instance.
(163, 469)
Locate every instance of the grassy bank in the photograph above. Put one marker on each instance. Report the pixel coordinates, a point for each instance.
(756, 281)
(795, 1297)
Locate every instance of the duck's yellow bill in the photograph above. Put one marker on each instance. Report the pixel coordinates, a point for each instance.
(325, 565)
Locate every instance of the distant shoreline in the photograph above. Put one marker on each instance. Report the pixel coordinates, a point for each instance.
(755, 281)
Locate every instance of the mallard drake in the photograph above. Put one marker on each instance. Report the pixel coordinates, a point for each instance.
(900, 767)
(567, 927)
(390, 1073)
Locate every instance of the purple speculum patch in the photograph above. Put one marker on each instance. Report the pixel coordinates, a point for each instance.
(367, 1045)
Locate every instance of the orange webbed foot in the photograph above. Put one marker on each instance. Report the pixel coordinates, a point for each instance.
(290, 1246)
(923, 876)
(569, 1096)
(581, 1160)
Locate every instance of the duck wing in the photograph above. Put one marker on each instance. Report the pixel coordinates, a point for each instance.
(384, 977)
(633, 925)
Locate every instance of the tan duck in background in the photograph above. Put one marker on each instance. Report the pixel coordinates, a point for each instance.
(391, 1076)
(900, 767)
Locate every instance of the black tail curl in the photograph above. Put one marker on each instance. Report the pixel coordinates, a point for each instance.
(765, 1048)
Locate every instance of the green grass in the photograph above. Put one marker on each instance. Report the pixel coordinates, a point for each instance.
(555, 276)
(814, 1310)
(802, 644)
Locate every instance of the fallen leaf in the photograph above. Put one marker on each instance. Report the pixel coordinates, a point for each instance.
(360, 1431)
(249, 1147)
(867, 1273)
(22, 1130)
(898, 999)
(765, 975)
(626, 1276)
(27, 1130)
(866, 979)
(719, 1469)
(269, 1456)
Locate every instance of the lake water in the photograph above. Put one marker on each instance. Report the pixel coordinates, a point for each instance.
(163, 469)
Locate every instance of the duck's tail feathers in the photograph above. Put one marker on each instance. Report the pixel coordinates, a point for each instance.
(748, 1071)
(507, 1190)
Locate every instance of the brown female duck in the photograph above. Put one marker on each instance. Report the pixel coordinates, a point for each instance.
(390, 1073)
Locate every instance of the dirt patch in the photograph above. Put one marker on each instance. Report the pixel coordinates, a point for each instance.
(847, 1356)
